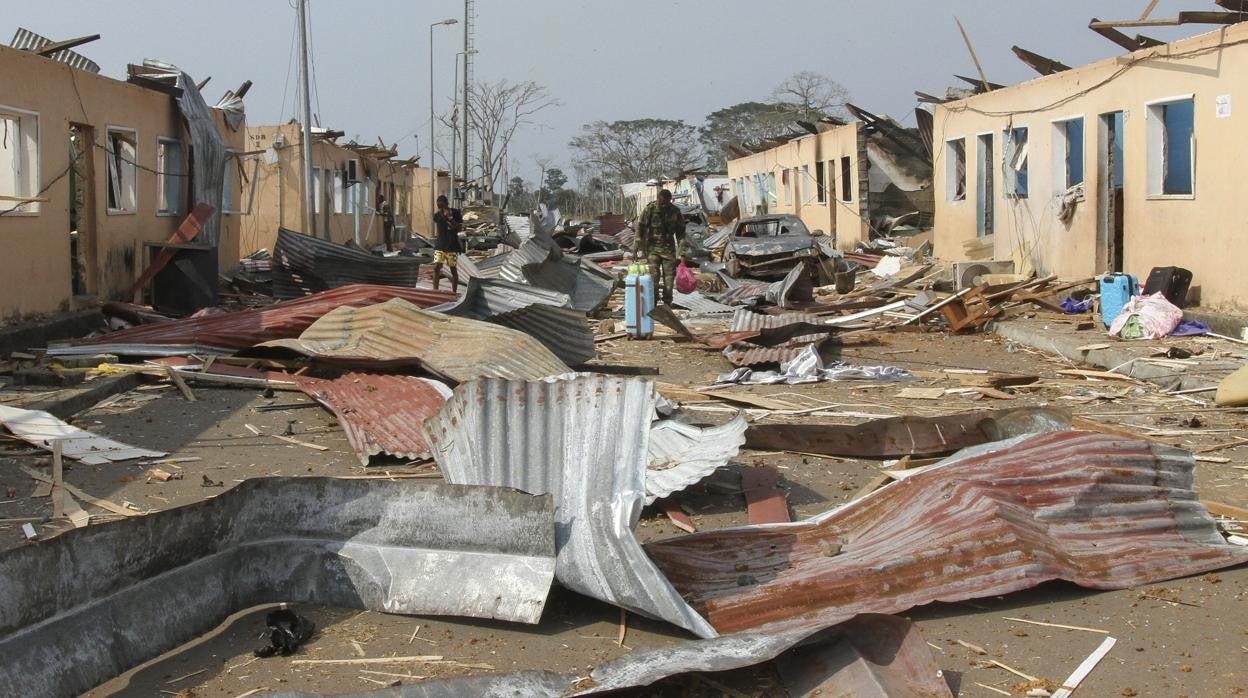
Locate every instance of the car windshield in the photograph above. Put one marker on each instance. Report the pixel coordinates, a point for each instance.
(771, 227)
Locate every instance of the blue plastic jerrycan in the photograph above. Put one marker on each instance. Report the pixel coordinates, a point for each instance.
(638, 302)
(1116, 290)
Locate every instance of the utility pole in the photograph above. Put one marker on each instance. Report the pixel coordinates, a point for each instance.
(470, 22)
(309, 196)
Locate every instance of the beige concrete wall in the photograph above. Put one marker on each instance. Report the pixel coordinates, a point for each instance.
(422, 214)
(1194, 231)
(279, 190)
(37, 265)
(802, 158)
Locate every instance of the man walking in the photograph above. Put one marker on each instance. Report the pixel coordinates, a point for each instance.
(448, 221)
(661, 234)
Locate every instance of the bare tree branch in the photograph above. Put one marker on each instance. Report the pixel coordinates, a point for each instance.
(496, 112)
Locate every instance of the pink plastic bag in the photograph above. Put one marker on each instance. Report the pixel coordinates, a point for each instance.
(686, 282)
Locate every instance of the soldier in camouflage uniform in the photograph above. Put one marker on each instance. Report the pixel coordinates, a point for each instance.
(661, 234)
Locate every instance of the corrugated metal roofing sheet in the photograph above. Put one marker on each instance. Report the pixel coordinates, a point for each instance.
(745, 353)
(681, 455)
(42, 429)
(543, 315)
(303, 264)
(27, 40)
(552, 436)
(699, 304)
(387, 546)
(229, 332)
(380, 413)
(397, 333)
(1096, 510)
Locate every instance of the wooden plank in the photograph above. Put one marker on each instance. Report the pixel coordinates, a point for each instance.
(764, 500)
(89, 499)
(181, 384)
(1081, 672)
(187, 230)
(67, 44)
(750, 399)
(983, 79)
(1228, 510)
(1038, 63)
(58, 482)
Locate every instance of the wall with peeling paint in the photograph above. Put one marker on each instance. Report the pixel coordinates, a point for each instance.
(1193, 231)
(37, 262)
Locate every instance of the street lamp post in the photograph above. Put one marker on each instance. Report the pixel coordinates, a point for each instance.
(433, 170)
(455, 127)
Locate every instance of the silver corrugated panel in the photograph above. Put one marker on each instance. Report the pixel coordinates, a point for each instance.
(27, 40)
(588, 285)
(303, 264)
(745, 320)
(699, 304)
(548, 436)
(129, 590)
(488, 297)
(795, 287)
(682, 454)
(564, 331)
(541, 314)
(396, 333)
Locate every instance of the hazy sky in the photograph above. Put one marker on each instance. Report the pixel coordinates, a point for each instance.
(606, 59)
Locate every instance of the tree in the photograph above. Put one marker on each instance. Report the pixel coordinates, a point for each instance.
(518, 195)
(813, 94)
(748, 122)
(637, 150)
(495, 112)
(804, 96)
(555, 179)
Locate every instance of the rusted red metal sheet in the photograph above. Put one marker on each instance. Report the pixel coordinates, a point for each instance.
(746, 352)
(186, 232)
(764, 500)
(875, 656)
(245, 328)
(1099, 511)
(380, 413)
(894, 437)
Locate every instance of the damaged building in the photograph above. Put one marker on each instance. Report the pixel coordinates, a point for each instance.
(97, 174)
(852, 180)
(349, 182)
(1120, 165)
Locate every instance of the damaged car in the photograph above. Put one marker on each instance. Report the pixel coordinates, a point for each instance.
(766, 247)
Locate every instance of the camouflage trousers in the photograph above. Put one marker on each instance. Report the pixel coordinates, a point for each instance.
(663, 272)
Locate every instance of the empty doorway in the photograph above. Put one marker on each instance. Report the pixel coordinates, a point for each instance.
(1110, 225)
(82, 253)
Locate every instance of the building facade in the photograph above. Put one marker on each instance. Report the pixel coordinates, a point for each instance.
(847, 180)
(95, 173)
(1121, 165)
(347, 180)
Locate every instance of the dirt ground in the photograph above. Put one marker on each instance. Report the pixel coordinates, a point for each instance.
(1182, 638)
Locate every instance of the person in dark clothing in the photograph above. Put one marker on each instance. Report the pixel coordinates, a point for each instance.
(448, 222)
(661, 238)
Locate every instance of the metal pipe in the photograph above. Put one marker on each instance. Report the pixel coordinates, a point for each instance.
(309, 197)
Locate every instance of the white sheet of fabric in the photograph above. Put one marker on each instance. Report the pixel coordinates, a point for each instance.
(807, 367)
(1158, 316)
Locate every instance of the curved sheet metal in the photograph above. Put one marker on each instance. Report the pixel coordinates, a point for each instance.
(583, 439)
(229, 332)
(397, 333)
(681, 455)
(1099, 511)
(379, 413)
(303, 264)
(127, 591)
(544, 315)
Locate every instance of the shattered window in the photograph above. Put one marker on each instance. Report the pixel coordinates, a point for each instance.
(1171, 147)
(122, 171)
(955, 170)
(1070, 144)
(171, 177)
(1016, 162)
(19, 160)
(821, 183)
